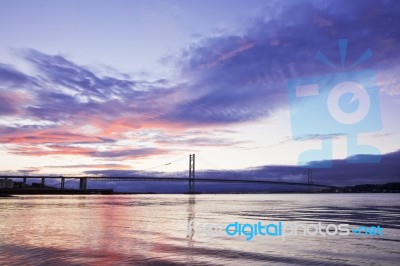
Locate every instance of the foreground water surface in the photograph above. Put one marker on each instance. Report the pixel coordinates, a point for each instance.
(169, 229)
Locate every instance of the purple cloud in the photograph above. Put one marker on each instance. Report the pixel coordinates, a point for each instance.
(240, 77)
(11, 77)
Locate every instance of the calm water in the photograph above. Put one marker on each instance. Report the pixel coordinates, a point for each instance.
(161, 229)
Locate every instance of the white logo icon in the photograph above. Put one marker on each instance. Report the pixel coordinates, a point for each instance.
(359, 93)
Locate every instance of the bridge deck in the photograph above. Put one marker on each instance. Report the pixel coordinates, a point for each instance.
(169, 179)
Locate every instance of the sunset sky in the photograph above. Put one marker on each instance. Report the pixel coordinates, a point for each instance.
(99, 86)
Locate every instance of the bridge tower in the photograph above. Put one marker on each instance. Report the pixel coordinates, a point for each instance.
(82, 183)
(310, 179)
(191, 173)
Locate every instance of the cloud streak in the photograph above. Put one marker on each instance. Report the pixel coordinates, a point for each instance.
(115, 153)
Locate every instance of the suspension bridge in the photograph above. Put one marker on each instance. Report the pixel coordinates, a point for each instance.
(191, 178)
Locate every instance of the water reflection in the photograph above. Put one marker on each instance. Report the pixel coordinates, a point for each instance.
(190, 226)
(144, 229)
(191, 216)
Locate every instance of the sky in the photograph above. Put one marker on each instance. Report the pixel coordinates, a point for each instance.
(121, 87)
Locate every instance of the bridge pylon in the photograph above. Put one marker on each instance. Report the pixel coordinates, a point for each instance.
(191, 173)
(310, 180)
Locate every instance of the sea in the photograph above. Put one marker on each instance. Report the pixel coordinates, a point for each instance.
(169, 229)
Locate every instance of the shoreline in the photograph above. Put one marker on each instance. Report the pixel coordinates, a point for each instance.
(29, 191)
